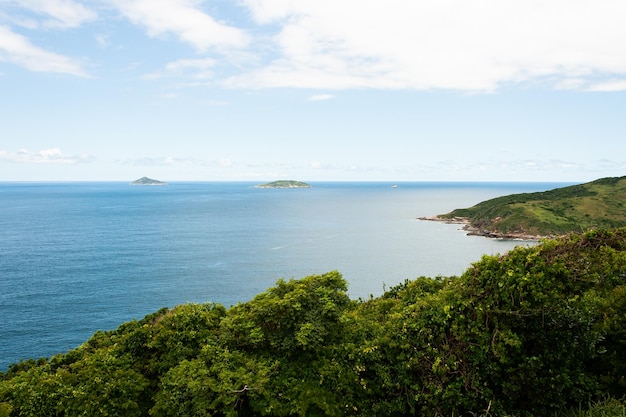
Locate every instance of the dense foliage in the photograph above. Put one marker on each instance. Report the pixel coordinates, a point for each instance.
(597, 204)
(537, 331)
(285, 184)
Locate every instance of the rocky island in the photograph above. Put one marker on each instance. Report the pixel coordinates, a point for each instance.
(147, 181)
(593, 205)
(284, 184)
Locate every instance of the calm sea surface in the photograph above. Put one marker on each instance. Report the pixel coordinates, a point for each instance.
(80, 257)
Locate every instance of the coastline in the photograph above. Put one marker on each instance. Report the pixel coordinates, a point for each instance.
(474, 231)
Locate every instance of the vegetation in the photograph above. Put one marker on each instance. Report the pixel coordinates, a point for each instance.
(285, 184)
(539, 331)
(597, 204)
(147, 181)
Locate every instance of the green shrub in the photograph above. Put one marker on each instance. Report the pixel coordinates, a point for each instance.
(534, 332)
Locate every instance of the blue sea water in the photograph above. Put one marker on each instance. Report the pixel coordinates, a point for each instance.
(80, 257)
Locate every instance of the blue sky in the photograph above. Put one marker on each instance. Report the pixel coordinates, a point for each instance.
(358, 90)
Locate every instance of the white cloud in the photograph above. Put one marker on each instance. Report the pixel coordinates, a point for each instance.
(17, 49)
(60, 13)
(63, 13)
(321, 97)
(530, 165)
(225, 162)
(474, 45)
(184, 19)
(149, 161)
(609, 164)
(183, 64)
(45, 156)
(202, 68)
(610, 85)
(466, 45)
(335, 167)
(157, 161)
(199, 69)
(102, 40)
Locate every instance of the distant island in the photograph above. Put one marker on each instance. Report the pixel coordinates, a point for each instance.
(284, 184)
(597, 204)
(147, 181)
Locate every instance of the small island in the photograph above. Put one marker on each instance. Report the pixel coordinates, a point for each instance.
(147, 181)
(284, 184)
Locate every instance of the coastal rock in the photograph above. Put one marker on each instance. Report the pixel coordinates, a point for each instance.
(474, 231)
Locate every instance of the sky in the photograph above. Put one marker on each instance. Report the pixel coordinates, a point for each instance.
(312, 90)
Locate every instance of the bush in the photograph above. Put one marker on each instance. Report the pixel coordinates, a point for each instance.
(537, 331)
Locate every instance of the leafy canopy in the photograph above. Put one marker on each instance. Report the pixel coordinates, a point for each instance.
(537, 331)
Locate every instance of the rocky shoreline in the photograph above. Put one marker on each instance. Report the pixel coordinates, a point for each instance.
(474, 231)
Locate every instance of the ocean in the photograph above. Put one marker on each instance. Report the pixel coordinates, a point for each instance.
(80, 257)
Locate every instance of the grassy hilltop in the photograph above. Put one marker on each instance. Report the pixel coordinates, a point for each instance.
(597, 204)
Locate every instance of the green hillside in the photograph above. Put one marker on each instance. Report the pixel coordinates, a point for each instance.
(284, 184)
(597, 204)
(147, 181)
(539, 331)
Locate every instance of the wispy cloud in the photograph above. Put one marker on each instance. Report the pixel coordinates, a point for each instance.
(61, 13)
(321, 97)
(608, 86)
(45, 156)
(102, 40)
(183, 19)
(533, 169)
(225, 162)
(51, 13)
(157, 161)
(476, 45)
(198, 69)
(464, 45)
(170, 161)
(19, 50)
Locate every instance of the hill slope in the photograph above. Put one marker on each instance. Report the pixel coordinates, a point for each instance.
(597, 204)
(147, 181)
